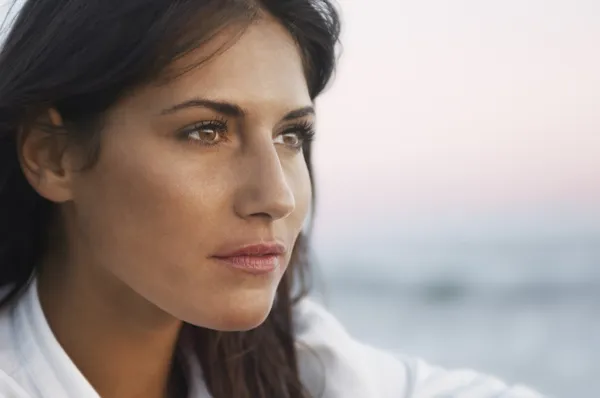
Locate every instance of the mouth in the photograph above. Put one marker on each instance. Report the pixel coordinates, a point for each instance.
(255, 259)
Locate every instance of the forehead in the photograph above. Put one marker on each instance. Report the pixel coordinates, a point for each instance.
(263, 67)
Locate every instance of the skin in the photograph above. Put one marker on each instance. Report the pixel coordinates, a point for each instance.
(134, 236)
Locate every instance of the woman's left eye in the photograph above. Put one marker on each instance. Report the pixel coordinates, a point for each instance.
(296, 136)
(289, 139)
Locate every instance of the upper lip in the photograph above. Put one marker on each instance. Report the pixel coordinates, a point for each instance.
(259, 249)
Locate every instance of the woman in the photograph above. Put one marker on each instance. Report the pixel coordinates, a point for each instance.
(154, 184)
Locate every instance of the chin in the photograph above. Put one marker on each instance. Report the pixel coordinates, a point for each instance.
(237, 323)
(236, 314)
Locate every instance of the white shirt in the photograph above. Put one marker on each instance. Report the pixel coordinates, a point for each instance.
(34, 365)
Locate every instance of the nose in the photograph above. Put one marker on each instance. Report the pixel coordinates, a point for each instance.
(264, 191)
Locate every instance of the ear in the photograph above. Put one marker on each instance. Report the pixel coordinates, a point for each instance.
(45, 159)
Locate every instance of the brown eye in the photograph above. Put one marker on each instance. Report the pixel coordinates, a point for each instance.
(295, 136)
(289, 139)
(205, 133)
(206, 136)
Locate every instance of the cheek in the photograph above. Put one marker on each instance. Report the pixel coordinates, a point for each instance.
(151, 208)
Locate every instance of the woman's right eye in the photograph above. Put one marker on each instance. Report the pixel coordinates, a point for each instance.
(207, 133)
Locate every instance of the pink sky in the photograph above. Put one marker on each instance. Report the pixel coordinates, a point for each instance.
(465, 107)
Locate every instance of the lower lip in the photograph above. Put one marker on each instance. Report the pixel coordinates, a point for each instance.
(257, 265)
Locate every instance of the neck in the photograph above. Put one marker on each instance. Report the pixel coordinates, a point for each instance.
(120, 342)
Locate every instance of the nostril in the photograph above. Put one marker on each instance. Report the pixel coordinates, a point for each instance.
(262, 215)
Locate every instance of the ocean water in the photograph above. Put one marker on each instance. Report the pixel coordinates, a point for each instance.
(526, 312)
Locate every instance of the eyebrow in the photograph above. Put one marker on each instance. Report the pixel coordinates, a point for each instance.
(233, 110)
(301, 112)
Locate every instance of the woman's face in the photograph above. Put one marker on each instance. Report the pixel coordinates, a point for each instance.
(196, 168)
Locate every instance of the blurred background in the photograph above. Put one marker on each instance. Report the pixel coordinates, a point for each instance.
(458, 176)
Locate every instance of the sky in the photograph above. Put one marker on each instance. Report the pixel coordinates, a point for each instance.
(460, 115)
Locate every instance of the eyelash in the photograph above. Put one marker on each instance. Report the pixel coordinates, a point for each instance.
(304, 130)
(218, 125)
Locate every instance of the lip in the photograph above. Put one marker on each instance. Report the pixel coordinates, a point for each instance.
(260, 249)
(262, 258)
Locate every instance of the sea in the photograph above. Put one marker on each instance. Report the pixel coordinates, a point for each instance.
(527, 311)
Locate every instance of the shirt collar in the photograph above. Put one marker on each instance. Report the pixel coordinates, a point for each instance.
(48, 366)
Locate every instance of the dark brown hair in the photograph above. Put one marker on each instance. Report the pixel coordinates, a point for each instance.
(81, 56)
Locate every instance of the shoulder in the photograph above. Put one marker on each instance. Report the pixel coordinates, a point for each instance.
(9, 388)
(334, 364)
(433, 381)
(8, 354)
(10, 369)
